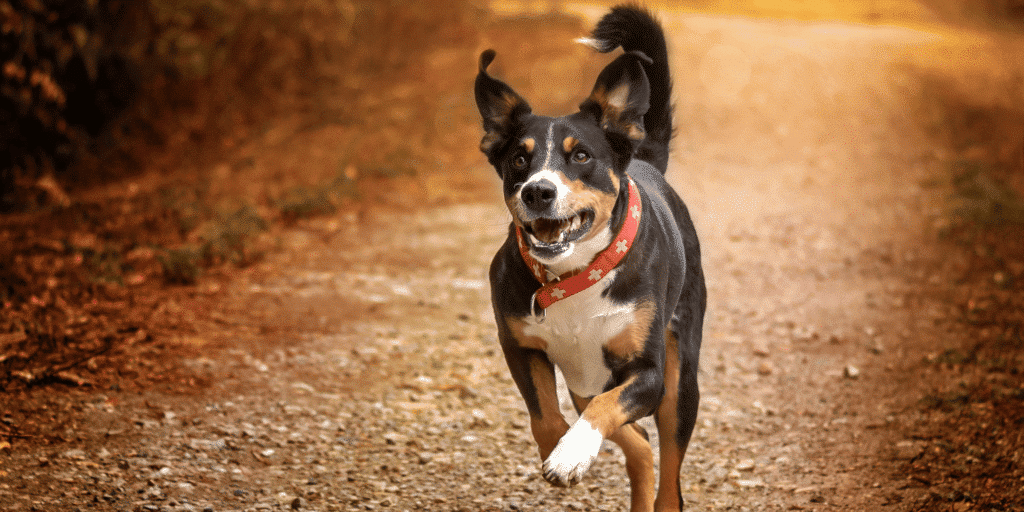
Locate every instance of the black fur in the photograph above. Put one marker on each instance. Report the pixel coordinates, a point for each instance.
(636, 30)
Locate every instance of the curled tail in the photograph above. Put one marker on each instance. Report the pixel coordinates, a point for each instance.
(635, 29)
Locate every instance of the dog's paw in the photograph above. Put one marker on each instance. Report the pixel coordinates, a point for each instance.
(573, 455)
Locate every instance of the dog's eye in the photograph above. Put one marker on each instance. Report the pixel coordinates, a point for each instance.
(519, 162)
(581, 157)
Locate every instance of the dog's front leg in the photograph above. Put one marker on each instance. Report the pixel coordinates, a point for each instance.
(534, 375)
(603, 416)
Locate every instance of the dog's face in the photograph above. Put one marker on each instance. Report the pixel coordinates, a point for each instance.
(563, 176)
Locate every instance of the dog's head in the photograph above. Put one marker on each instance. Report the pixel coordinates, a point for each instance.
(563, 176)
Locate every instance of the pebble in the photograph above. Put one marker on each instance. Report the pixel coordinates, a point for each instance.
(906, 450)
(851, 372)
(750, 483)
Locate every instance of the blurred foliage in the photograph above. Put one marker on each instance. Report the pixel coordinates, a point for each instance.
(302, 202)
(981, 196)
(94, 90)
(66, 70)
(1007, 14)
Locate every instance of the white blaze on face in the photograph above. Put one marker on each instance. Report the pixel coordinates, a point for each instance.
(549, 174)
(550, 144)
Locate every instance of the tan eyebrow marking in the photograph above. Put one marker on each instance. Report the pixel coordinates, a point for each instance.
(569, 143)
(528, 144)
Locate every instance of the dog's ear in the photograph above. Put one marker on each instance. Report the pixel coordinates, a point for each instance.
(621, 97)
(499, 105)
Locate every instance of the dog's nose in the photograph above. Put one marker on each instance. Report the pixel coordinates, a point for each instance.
(539, 195)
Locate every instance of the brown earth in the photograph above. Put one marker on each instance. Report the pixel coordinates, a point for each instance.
(862, 344)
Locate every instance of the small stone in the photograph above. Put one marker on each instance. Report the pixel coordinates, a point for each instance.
(750, 483)
(299, 503)
(75, 454)
(906, 450)
(851, 372)
(765, 368)
(745, 465)
(761, 350)
(1000, 279)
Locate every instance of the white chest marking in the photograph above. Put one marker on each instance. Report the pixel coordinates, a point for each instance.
(576, 329)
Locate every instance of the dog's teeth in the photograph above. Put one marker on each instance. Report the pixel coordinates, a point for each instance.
(533, 239)
(576, 222)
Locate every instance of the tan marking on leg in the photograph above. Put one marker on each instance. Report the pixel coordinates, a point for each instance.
(568, 143)
(639, 460)
(517, 326)
(667, 419)
(631, 340)
(639, 466)
(578, 401)
(605, 413)
(550, 426)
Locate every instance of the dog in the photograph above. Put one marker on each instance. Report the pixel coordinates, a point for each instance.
(600, 274)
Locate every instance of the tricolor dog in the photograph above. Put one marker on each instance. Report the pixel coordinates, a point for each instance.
(600, 274)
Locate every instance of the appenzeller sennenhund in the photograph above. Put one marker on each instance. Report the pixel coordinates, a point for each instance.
(600, 274)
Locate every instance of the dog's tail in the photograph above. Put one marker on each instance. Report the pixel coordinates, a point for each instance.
(635, 29)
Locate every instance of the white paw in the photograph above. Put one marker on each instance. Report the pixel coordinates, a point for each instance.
(573, 455)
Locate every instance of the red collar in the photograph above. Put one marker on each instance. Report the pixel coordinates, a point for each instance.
(552, 292)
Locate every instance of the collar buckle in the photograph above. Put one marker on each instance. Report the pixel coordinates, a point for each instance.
(539, 317)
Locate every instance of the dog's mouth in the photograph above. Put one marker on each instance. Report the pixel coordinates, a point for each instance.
(550, 237)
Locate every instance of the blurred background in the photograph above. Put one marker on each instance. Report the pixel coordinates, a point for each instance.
(95, 90)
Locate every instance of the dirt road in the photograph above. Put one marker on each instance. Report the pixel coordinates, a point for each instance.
(357, 368)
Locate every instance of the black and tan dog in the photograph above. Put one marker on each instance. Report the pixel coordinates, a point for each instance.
(600, 274)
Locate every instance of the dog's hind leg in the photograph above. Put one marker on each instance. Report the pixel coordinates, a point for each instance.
(639, 460)
(675, 418)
